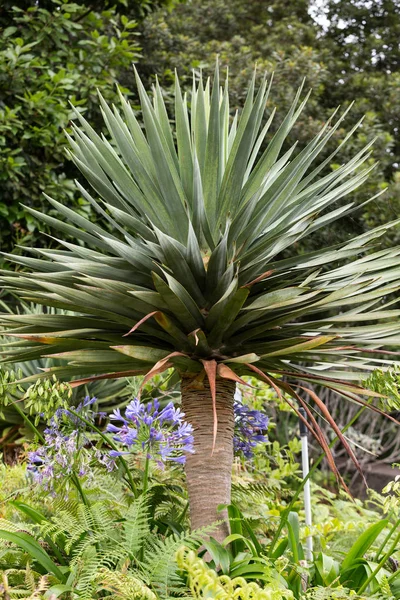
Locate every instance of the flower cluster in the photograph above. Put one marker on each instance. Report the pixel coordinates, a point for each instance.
(161, 433)
(250, 426)
(65, 449)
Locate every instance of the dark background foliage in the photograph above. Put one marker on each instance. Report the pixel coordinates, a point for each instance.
(344, 56)
(53, 53)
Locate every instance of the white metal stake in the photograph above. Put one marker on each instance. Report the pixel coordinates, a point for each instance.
(307, 492)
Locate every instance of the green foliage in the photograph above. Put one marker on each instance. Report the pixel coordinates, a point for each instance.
(206, 583)
(124, 586)
(45, 397)
(50, 56)
(21, 388)
(386, 383)
(9, 387)
(125, 546)
(112, 532)
(24, 583)
(333, 53)
(193, 269)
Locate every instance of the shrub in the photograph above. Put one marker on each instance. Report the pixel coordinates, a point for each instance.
(48, 58)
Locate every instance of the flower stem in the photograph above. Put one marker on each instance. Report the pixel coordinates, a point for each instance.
(387, 538)
(146, 474)
(113, 446)
(77, 484)
(74, 478)
(29, 422)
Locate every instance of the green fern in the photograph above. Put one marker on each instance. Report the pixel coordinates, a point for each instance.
(168, 504)
(7, 525)
(106, 536)
(136, 527)
(123, 586)
(108, 488)
(23, 583)
(252, 491)
(86, 566)
(159, 564)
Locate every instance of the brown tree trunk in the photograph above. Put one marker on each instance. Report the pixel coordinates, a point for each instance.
(209, 473)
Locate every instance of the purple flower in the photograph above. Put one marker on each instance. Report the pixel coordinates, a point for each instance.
(134, 411)
(170, 413)
(112, 428)
(249, 428)
(116, 416)
(88, 401)
(116, 454)
(67, 450)
(161, 434)
(36, 456)
(125, 435)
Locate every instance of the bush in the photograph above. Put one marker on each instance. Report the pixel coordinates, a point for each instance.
(48, 58)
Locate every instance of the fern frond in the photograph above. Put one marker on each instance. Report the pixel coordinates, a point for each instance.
(30, 578)
(15, 527)
(159, 565)
(123, 586)
(87, 566)
(252, 491)
(97, 517)
(165, 492)
(79, 525)
(41, 588)
(12, 556)
(64, 521)
(107, 488)
(136, 526)
(166, 509)
(22, 583)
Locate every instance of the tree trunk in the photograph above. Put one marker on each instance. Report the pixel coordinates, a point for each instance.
(209, 473)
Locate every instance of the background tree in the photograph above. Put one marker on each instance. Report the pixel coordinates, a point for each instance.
(364, 62)
(295, 42)
(53, 53)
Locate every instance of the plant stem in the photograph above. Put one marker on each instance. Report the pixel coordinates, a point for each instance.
(287, 510)
(29, 422)
(183, 513)
(113, 446)
(146, 474)
(380, 564)
(387, 538)
(77, 484)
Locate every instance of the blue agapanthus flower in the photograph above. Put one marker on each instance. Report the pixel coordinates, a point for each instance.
(250, 427)
(162, 434)
(65, 451)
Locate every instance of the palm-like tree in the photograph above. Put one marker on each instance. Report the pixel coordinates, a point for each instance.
(189, 271)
